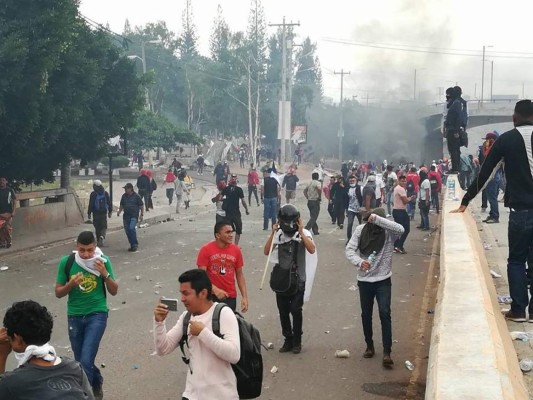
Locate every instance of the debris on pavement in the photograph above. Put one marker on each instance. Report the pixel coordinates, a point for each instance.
(144, 225)
(409, 365)
(526, 365)
(523, 336)
(136, 366)
(495, 274)
(4, 268)
(342, 353)
(504, 299)
(137, 278)
(270, 345)
(353, 288)
(487, 246)
(274, 369)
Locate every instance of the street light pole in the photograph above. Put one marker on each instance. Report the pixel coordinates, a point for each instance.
(414, 88)
(491, 78)
(482, 75)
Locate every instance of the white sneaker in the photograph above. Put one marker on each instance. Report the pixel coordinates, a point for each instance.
(388, 215)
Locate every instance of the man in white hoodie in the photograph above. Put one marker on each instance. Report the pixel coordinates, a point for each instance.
(86, 276)
(210, 373)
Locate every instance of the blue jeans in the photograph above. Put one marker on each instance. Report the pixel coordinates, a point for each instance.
(130, 227)
(492, 197)
(381, 291)
(520, 236)
(411, 207)
(270, 211)
(85, 334)
(389, 196)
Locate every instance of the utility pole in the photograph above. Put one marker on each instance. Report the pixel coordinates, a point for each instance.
(482, 76)
(491, 78)
(340, 134)
(414, 88)
(284, 117)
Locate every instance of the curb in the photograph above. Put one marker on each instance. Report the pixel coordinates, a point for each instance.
(151, 220)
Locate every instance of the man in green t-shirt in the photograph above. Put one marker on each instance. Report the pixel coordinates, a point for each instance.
(86, 276)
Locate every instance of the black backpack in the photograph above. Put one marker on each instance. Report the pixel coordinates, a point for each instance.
(410, 188)
(284, 279)
(249, 369)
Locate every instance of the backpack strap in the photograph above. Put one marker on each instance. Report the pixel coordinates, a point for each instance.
(184, 339)
(68, 265)
(215, 324)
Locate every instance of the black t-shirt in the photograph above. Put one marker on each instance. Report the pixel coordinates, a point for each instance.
(143, 183)
(7, 195)
(233, 195)
(131, 204)
(270, 186)
(290, 182)
(63, 381)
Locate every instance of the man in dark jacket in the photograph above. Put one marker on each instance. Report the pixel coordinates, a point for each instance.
(452, 127)
(101, 208)
(144, 185)
(340, 201)
(515, 148)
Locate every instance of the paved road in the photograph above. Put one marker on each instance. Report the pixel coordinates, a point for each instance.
(331, 318)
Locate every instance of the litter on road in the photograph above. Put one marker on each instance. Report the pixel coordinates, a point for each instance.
(342, 353)
(495, 274)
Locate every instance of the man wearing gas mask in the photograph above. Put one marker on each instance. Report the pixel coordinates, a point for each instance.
(294, 255)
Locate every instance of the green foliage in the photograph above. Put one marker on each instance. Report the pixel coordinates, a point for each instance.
(152, 131)
(64, 89)
(118, 161)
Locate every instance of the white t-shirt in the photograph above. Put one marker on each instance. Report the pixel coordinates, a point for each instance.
(379, 185)
(423, 186)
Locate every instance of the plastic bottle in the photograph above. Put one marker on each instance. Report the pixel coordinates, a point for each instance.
(451, 188)
(371, 258)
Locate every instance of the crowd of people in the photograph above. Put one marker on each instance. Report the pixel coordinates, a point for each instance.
(378, 200)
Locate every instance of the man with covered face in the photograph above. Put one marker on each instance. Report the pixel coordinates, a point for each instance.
(292, 243)
(232, 194)
(370, 250)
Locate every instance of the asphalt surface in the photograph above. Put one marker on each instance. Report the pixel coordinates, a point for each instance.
(331, 318)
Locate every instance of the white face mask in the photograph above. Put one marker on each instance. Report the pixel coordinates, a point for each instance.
(352, 185)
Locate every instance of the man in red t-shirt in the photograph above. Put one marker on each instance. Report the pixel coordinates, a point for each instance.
(222, 260)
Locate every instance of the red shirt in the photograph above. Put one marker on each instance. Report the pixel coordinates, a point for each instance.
(413, 176)
(437, 177)
(221, 263)
(170, 177)
(253, 178)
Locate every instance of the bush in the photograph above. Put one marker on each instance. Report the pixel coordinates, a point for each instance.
(118, 161)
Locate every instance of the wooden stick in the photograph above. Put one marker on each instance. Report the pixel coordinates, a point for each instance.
(266, 265)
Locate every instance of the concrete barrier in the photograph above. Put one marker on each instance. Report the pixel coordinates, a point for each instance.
(61, 209)
(471, 353)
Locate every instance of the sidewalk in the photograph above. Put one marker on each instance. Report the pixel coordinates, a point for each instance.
(496, 246)
(161, 212)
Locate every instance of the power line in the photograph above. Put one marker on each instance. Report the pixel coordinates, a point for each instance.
(431, 50)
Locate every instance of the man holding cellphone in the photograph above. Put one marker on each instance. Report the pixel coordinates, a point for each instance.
(223, 262)
(86, 276)
(210, 373)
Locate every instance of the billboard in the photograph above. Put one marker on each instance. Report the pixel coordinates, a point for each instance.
(299, 134)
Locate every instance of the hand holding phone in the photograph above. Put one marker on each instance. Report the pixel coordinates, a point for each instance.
(172, 304)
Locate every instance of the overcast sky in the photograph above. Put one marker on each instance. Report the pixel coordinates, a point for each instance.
(376, 73)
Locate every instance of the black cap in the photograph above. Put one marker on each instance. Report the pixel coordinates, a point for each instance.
(127, 186)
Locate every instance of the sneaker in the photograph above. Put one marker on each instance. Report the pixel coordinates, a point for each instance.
(98, 392)
(133, 249)
(397, 250)
(287, 346)
(297, 346)
(483, 209)
(402, 251)
(387, 361)
(388, 215)
(100, 241)
(341, 226)
(8, 245)
(516, 317)
(491, 220)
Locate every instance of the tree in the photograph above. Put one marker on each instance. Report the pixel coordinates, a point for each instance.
(308, 82)
(64, 89)
(152, 131)
(188, 40)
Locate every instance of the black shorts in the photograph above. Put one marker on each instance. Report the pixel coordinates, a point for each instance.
(236, 222)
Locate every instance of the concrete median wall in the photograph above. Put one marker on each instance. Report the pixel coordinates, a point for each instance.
(471, 354)
(47, 217)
